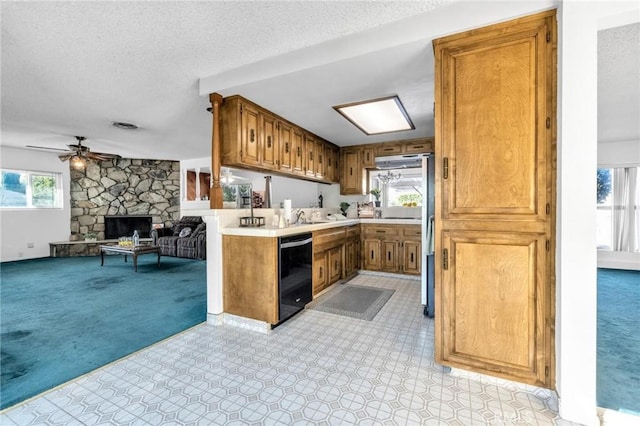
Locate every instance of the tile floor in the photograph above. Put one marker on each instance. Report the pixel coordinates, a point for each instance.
(317, 368)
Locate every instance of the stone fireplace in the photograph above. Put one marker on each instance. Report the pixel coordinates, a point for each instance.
(123, 226)
(123, 187)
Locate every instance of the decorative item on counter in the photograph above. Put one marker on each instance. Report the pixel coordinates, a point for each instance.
(376, 193)
(344, 206)
(91, 236)
(287, 210)
(365, 210)
(252, 221)
(267, 192)
(320, 198)
(136, 238)
(283, 222)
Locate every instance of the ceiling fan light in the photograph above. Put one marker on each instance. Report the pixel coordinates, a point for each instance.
(77, 162)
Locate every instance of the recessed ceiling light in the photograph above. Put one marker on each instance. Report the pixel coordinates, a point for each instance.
(383, 115)
(123, 125)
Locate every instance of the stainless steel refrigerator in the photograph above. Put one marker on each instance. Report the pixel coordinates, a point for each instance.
(428, 208)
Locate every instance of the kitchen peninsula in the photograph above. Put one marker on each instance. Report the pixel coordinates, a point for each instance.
(340, 248)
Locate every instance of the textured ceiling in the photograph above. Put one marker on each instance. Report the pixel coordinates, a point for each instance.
(74, 67)
(619, 84)
(71, 68)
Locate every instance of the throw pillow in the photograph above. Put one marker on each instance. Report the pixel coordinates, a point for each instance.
(185, 232)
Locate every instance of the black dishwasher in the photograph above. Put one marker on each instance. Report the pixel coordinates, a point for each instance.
(294, 273)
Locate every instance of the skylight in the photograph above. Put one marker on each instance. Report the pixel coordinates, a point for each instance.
(383, 115)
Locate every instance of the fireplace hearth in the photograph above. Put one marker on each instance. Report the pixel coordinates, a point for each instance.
(123, 226)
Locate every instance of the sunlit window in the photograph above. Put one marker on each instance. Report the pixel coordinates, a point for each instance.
(618, 209)
(399, 187)
(30, 190)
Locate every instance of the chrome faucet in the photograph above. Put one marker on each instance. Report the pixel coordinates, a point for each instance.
(299, 216)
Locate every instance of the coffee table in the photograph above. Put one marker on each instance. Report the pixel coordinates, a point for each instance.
(134, 251)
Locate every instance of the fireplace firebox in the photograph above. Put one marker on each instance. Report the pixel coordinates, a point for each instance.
(123, 226)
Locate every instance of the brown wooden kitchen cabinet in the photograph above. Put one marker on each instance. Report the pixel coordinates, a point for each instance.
(320, 271)
(327, 257)
(495, 146)
(250, 291)
(286, 147)
(254, 138)
(392, 248)
(352, 251)
(368, 157)
(351, 179)
(270, 134)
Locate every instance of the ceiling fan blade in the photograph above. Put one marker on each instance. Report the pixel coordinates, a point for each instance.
(65, 157)
(45, 148)
(102, 156)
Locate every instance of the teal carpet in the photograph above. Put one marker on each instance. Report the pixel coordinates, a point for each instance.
(63, 317)
(618, 361)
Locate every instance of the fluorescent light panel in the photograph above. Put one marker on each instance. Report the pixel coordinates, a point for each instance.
(377, 116)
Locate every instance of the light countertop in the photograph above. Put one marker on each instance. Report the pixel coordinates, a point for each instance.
(270, 231)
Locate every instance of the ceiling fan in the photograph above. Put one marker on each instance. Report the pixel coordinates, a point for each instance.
(78, 154)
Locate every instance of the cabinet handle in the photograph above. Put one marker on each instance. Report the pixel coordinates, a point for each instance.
(268, 141)
(389, 256)
(336, 265)
(299, 152)
(388, 149)
(311, 156)
(286, 147)
(411, 257)
(371, 254)
(252, 136)
(350, 171)
(380, 231)
(320, 158)
(417, 146)
(321, 272)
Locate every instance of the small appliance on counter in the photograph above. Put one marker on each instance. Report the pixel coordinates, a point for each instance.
(366, 210)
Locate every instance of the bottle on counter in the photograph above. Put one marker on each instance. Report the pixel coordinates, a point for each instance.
(320, 198)
(136, 238)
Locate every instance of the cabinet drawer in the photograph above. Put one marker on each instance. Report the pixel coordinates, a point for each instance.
(381, 231)
(328, 238)
(412, 232)
(419, 147)
(388, 149)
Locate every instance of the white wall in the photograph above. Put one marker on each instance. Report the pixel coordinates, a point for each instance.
(38, 226)
(579, 23)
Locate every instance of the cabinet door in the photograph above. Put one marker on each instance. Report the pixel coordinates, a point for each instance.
(411, 259)
(269, 142)
(297, 144)
(310, 154)
(368, 158)
(335, 264)
(389, 258)
(371, 255)
(249, 125)
(351, 179)
(320, 272)
(495, 193)
(320, 159)
(286, 146)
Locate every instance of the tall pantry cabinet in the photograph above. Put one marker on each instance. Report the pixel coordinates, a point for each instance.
(495, 121)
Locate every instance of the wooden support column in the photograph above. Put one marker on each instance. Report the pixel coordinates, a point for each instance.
(215, 192)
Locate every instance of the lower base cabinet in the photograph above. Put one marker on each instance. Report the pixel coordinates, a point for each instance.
(392, 248)
(336, 255)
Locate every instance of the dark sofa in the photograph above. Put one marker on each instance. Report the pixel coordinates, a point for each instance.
(178, 242)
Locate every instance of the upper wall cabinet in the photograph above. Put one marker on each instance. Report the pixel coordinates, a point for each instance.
(357, 159)
(255, 138)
